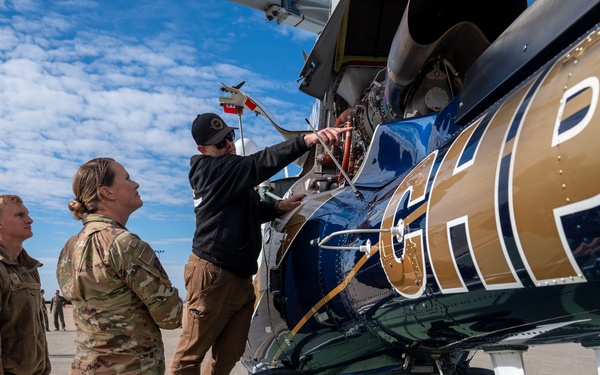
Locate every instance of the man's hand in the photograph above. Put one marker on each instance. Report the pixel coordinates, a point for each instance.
(290, 203)
(331, 136)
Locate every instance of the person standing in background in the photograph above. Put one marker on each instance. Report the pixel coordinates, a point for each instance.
(24, 349)
(120, 292)
(57, 303)
(44, 309)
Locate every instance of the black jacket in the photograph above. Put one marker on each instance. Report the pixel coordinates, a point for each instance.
(228, 209)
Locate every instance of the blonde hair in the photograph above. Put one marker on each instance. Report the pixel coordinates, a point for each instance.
(8, 198)
(88, 180)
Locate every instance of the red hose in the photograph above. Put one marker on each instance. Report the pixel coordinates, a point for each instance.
(344, 118)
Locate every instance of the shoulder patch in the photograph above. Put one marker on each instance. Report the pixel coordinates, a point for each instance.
(133, 242)
(147, 255)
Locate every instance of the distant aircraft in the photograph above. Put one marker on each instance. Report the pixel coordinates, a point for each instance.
(462, 212)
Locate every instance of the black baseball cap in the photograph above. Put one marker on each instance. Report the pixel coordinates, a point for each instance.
(209, 129)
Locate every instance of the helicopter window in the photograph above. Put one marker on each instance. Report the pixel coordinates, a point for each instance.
(395, 148)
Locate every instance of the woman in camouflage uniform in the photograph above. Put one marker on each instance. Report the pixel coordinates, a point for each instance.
(120, 292)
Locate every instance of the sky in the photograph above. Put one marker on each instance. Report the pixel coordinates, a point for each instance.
(81, 79)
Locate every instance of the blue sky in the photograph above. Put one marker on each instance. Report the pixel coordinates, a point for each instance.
(81, 79)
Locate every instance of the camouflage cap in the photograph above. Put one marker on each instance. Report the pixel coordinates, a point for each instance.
(209, 129)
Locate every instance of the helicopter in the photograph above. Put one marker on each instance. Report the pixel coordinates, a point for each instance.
(462, 212)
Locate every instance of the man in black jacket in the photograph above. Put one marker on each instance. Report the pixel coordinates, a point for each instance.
(227, 242)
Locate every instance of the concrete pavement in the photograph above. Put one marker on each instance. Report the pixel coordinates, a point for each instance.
(539, 360)
(61, 345)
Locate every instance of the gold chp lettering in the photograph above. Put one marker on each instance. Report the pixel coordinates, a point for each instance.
(548, 155)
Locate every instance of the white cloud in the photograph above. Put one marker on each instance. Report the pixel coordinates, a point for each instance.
(81, 79)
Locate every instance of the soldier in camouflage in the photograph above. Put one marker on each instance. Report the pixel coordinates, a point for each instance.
(121, 294)
(23, 346)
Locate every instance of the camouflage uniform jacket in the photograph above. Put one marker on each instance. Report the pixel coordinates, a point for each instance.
(22, 328)
(121, 297)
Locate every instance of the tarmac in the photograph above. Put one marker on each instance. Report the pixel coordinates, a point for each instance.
(539, 360)
(61, 345)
